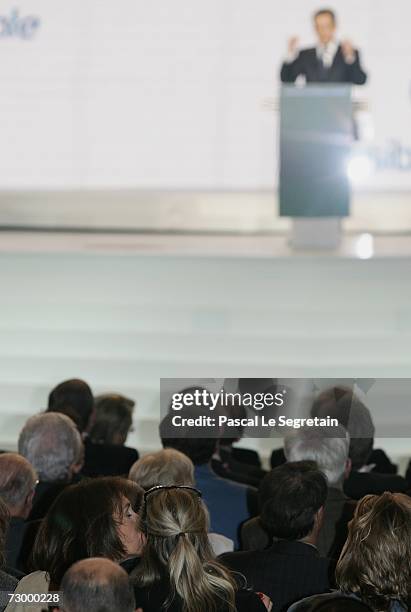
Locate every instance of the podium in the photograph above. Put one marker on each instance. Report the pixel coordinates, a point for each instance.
(316, 133)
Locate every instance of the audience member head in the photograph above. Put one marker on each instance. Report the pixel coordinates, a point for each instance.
(341, 403)
(113, 419)
(75, 399)
(97, 585)
(327, 446)
(18, 481)
(325, 23)
(4, 523)
(199, 449)
(176, 527)
(293, 496)
(166, 467)
(95, 518)
(375, 561)
(339, 603)
(235, 410)
(52, 444)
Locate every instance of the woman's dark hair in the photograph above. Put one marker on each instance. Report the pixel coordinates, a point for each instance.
(82, 523)
(293, 494)
(113, 419)
(75, 399)
(375, 561)
(4, 523)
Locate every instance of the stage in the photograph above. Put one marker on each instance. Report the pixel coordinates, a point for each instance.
(231, 211)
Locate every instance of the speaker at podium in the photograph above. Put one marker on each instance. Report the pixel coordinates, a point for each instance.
(316, 135)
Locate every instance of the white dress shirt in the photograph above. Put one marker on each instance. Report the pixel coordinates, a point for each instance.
(326, 53)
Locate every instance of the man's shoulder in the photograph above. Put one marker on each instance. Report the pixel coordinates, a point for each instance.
(281, 553)
(243, 558)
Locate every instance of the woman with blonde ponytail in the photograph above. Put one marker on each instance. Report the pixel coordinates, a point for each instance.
(178, 571)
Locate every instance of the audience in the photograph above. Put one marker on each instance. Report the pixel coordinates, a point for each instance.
(374, 565)
(291, 568)
(328, 448)
(371, 470)
(96, 585)
(18, 481)
(96, 518)
(105, 450)
(71, 522)
(229, 503)
(7, 582)
(169, 467)
(53, 446)
(178, 571)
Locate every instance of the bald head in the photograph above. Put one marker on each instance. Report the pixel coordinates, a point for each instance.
(97, 585)
(17, 483)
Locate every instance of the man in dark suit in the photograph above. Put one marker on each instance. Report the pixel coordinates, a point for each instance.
(328, 447)
(328, 62)
(294, 515)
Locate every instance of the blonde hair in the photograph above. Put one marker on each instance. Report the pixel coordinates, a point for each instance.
(176, 524)
(373, 562)
(166, 467)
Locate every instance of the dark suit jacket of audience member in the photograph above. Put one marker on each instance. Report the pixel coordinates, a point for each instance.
(44, 496)
(107, 459)
(408, 475)
(7, 585)
(308, 64)
(338, 512)
(151, 600)
(246, 455)
(359, 484)
(286, 572)
(229, 467)
(22, 562)
(228, 502)
(14, 541)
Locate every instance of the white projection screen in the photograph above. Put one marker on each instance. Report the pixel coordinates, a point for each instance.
(180, 94)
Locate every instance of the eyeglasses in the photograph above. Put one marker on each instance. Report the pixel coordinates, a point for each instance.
(158, 488)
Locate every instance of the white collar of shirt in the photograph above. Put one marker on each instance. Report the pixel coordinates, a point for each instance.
(326, 53)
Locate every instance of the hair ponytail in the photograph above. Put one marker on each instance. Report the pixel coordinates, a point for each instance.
(203, 585)
(178, 547)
